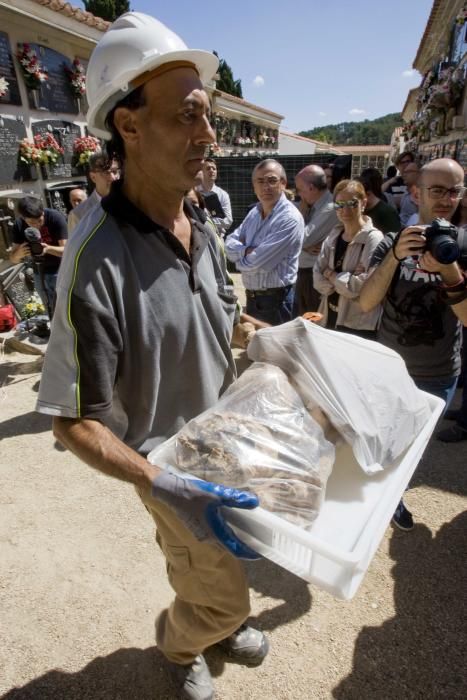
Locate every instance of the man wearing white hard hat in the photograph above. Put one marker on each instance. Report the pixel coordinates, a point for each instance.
(141, 336)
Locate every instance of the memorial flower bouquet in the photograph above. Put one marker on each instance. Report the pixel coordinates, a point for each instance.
(29, 153)
(33, 307)
(49, 148)
(448, 91)
(33, 72)
(3, 86)
(77, 78)
(84, 147)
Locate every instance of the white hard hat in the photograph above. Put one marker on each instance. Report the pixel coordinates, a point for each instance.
(133, 44)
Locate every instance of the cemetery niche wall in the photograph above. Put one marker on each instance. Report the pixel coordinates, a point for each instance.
(54, 94)
(11, 94)
(65, 133)
(12, 132)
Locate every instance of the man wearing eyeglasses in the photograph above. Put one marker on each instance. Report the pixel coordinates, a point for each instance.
(266, 246)
(102, 172)
(424, 302)
(396, 186)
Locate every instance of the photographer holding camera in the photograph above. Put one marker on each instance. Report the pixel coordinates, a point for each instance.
(418, 276)
(41, 233)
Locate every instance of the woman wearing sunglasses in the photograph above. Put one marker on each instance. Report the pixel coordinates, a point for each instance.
(342, 266)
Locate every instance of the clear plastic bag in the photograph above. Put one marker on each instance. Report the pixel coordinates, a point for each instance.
(363, 387)
(258, 437)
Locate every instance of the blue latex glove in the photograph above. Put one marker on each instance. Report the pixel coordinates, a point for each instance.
(197, 504)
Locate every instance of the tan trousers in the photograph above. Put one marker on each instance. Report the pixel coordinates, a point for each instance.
(212, 596)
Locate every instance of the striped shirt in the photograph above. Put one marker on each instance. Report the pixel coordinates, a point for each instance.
(275, 241)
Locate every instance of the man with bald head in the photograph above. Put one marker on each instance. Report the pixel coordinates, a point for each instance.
(77, 196)
(316, 205)
(424, 302)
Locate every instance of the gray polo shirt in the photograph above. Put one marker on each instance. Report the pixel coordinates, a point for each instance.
(141, 333)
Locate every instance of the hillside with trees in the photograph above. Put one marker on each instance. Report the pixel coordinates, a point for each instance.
(367, 132)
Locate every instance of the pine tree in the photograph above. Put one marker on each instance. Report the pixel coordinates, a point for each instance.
(107, 9)
(226, 81)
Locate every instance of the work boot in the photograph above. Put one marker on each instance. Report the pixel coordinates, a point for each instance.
(194, 680)
(402, 517)
(246, 645)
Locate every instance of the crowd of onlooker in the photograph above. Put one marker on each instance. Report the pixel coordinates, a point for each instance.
(353, 251)
(140, 341)
(368, 259)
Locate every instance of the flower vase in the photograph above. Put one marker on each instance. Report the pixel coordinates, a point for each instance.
(450, 118)
(45, 171)
(33, 175)
(35, 95)
(441, 125)
(78, 104)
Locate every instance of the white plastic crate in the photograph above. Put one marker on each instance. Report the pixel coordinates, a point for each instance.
(336, 552)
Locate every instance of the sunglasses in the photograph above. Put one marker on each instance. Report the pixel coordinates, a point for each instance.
(351, 204)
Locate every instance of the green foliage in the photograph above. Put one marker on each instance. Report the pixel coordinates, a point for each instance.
(107, 9)
(367, 132)
(226, 81)
(121, 6)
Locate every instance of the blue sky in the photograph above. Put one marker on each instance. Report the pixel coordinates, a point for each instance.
(314, 61)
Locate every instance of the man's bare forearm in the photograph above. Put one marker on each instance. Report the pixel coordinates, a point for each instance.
(98, 447)
(56, 250)
(377, 285)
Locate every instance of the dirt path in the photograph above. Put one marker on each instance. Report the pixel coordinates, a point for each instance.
(81, 582)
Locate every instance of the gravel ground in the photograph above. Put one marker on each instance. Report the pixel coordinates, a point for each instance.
(81, 582)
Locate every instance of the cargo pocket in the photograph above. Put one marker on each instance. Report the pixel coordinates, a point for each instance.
(178, 565)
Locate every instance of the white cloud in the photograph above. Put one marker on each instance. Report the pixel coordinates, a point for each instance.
(322, 114)
(409, 73)
(258, 81)
(357, 112)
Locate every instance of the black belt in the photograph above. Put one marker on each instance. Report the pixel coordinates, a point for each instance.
(272, 291)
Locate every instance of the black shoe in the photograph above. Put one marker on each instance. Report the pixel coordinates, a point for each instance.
(402, 518)
(453, 434)
(247, 646)
(194, 681)
(452, 414)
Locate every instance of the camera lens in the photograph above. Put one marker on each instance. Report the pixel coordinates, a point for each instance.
(446, 250)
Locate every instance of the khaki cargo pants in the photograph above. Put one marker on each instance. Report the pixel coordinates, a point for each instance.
(212, 596)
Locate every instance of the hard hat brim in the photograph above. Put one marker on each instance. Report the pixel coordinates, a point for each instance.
(205, 62)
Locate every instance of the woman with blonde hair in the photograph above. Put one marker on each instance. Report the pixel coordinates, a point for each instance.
(342, 266)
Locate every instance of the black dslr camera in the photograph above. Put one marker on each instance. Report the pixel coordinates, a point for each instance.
(446, 243)
(33, 237)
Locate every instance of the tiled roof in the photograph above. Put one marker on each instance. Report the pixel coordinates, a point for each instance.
(437, 31)
(428, 28)
(65, 8)
(365, 149)
(243, 102)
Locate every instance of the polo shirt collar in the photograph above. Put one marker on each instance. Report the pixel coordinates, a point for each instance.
(118, 205)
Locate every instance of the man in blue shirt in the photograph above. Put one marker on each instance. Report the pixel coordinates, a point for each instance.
(266, 246)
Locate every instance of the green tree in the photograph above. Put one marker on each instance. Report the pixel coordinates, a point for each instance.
(107, 9)
(367, 132)
(226, 81)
